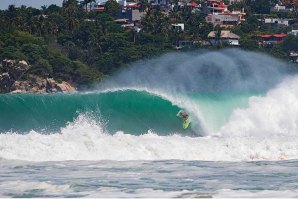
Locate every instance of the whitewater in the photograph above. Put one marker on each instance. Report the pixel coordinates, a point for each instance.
(123, 138)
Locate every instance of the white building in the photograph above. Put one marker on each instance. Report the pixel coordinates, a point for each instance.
(277, 21)
(293, 32)
(279, 8)
(179, 27)
(293, 56)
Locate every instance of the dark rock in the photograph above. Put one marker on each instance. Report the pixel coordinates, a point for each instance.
(5, 83)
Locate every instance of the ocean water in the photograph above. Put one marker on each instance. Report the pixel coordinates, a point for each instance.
(157, 179)
(123, 138)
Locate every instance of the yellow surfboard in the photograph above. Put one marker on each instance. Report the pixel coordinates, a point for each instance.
(186, 124)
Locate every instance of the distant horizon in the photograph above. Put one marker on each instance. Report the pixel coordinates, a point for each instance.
(29, 3)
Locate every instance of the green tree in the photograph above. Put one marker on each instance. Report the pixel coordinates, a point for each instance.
(248, 44)
(112, 7)
(290, 43)
(11, 16)
(71, 12)
(217, 30)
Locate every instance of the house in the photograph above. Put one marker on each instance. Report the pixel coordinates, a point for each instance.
(226, 20)
(178, 27)
(130, 12)
(193, 4)
(289, 2)
(278, 21)
(280, 8)
(98, 5)
(293, 32)
(267, 40)
(184, 44)
(293, 56)
(226, 37)
(216, 6)
(195, 7)
(157, 2)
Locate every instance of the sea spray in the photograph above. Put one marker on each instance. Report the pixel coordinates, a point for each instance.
(229, 70)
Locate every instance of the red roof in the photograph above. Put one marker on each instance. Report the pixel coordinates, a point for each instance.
(222, 4)
(265, 36)
(193, 3)
(280, 35)
(275, 35)
(100, 8)
(133, 5)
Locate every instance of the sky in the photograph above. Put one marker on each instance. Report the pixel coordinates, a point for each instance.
(33, 3)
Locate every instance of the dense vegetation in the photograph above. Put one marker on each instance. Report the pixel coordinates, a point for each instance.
(71, 44)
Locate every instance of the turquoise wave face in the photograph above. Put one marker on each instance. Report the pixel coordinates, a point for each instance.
(130, 111)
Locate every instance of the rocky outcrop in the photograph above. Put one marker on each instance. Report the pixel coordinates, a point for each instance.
(52, 86)
(33, 84)
(10, 80)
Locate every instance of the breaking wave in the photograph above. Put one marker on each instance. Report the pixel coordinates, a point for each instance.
(241, 110)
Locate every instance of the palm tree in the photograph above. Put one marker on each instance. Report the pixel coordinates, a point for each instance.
(43, 9)
(218, 34)
(86, 2)
(71, 14)
(144, 5)
(11, 15)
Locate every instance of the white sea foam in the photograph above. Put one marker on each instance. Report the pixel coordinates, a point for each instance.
(84, 139)
(26, 189)
(275, 114)
(23, 188)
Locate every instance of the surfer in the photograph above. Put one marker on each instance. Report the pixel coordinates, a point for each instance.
(183, 115)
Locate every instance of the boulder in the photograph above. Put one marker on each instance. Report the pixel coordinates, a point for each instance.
(23, 63)
(52, 86)
(8, 63)
(17, 92)
(65, 87)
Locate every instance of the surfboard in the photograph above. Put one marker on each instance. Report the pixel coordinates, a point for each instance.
(186, 124)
